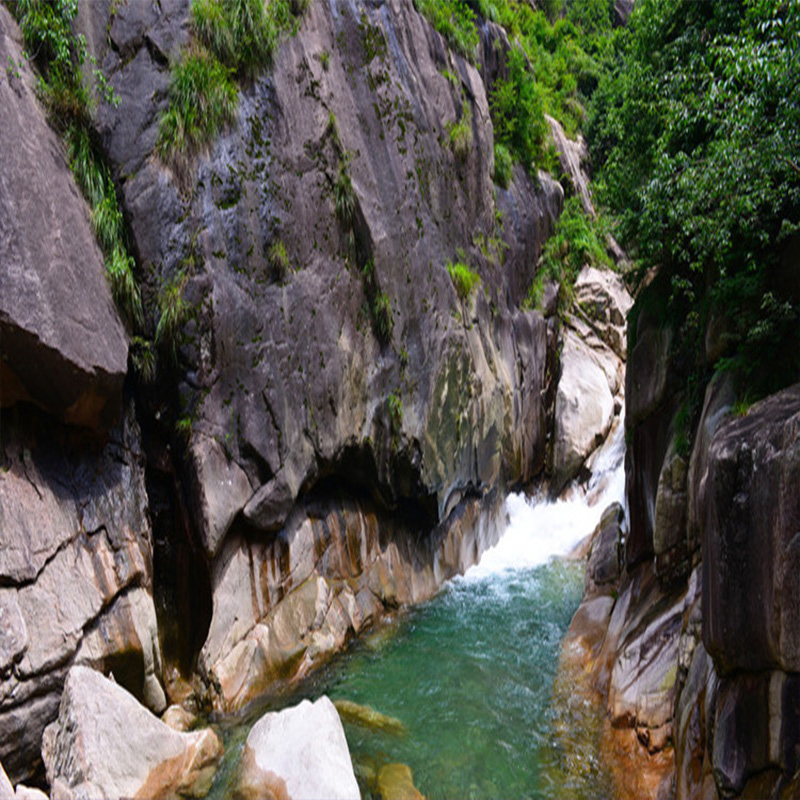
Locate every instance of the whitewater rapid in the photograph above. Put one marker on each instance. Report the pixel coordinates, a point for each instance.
(540, 529)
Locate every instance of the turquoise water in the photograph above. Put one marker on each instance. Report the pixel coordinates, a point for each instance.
(470, 674)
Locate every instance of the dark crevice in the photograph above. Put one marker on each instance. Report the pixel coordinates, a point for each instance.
(181, 580)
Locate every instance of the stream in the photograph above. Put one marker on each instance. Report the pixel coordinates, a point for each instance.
(470, 674)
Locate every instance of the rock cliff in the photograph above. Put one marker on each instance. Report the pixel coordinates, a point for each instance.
(305, 427)
(294, 469)
(75, 537)
(690, 640)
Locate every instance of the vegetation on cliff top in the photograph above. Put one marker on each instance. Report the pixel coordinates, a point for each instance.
(697, 135)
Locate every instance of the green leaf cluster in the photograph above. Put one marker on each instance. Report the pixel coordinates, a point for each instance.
(558, 53)
(577, 241)
(697, 133)
(455, 20)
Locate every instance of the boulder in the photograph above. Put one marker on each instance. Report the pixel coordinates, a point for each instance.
(300, 752)
(605, 556)
(6, 789)
(584, 408)
(63, 344)
(75, 569)
(396, 782)
(749, 533)
(605, 302)
(368, 717)
(104, 744)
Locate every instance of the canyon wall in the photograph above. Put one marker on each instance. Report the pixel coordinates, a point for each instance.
(688, 628)
(292, 471)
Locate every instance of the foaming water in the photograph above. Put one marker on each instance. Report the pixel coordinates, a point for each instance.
(540, 529)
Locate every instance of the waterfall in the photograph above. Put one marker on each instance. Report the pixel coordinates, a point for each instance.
(539, 528)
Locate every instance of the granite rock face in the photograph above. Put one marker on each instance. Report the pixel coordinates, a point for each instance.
(295, 402)
(76, 554)
(76, 572)
(104, 744)
(590, 391)
(751, 599)
(697, 653)
(63, 345)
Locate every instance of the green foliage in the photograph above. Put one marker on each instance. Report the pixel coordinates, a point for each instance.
(183, 428)
(395, 406)
(697, 133)
(382, 319)
(119, 267)
(279, 259)
(503, 165)
(344, 196)
(460, 133)
(325, 60)
(172, 312)
(518, 111)
(455, 20)
(577, 241)
(203, 100)
(464, 279)
(234, 39)
(143, 359)
(380, 307)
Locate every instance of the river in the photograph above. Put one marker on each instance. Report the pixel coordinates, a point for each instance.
(470, 673)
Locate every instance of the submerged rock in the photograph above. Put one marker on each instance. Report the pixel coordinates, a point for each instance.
(299, 753)
(396, 782)
(105, 745)
(368, 717)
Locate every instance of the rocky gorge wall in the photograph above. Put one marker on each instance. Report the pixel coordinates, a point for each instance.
(687, 632)
(289, 475)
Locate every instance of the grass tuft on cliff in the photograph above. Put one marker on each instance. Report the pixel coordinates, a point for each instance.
(203, 100)
(61, 57)
(234, 40)
(464, 278)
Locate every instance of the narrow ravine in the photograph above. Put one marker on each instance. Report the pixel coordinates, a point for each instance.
(470, 674)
